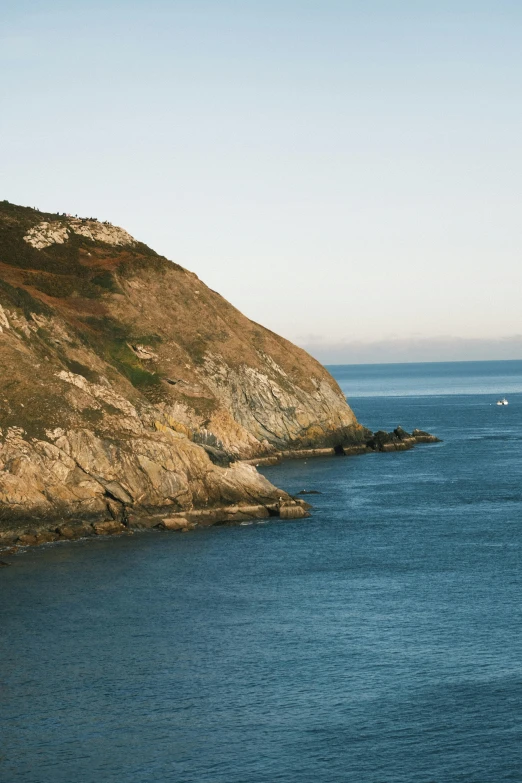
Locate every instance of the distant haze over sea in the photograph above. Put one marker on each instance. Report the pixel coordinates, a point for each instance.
(435, 349)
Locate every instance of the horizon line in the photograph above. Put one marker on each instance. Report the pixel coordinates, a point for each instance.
(448, 361)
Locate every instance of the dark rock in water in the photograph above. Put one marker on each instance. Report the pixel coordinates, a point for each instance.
(425, 437)
(380, 439)
(3, 564)
(309, 492)
(398, 440)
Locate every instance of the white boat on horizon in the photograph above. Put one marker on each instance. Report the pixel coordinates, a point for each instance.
(502, 401)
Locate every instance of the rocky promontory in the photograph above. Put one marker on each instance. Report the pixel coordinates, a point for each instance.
(132, 394)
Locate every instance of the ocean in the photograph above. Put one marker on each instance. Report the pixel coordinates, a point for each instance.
(377, 642)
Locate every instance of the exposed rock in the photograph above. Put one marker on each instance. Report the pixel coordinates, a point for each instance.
(278, 412)
(116, 510)
(424, 437)
(102, 232)
(398, 440)
(218, 456)
(176, 523)
(4, 323)
(8, 538)
(69, 532)
(46, 234)
(245, 511)
(100, 392)
(293, 510)
(27, 539)
(46, 537)
(108, 528)
(229, 514)
(116, 491)
(144, 353)
(57, 232)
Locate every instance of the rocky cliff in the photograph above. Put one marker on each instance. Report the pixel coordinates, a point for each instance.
(126, 382)
(130, 388)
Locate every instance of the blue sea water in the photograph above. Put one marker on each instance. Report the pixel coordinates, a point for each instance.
(377, 642)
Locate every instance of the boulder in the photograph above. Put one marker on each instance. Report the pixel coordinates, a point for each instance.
(176, 523)
(27, 539)
(46, 537)
(109, 528)
(398, 440)
(75, 530)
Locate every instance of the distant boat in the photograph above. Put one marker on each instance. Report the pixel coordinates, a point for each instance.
(503, 401)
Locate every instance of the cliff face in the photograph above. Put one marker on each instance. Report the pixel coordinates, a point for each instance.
(126, 383)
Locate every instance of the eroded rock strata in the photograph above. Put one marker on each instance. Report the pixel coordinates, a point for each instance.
(132, 394)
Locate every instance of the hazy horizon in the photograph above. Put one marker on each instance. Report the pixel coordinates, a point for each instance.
(346, 174)
(428, 351)
(401, 364)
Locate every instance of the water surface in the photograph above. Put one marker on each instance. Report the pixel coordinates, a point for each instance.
(378, 642)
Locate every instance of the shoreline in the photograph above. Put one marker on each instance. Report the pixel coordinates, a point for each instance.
(398, 440)
(127, 519)
(12, 542)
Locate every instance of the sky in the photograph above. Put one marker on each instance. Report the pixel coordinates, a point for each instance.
(348, 174)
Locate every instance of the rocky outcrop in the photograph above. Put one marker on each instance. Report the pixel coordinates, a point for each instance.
(131, 390)
(82, 475)
(43, 531)
(56, 232)
(399, 440)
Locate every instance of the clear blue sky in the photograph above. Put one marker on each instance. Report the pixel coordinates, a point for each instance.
(347, 173)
